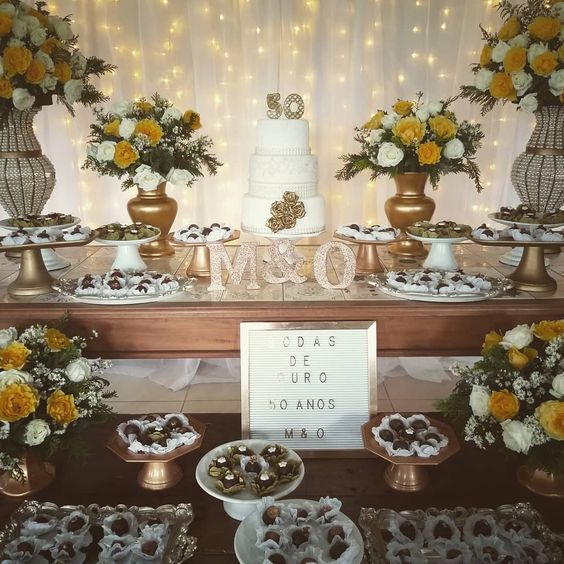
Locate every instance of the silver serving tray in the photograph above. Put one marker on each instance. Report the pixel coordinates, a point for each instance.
(371, 520)
(180, 547)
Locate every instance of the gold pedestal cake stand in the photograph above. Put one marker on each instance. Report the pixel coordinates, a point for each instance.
(159, 472)
(367, 258)
(409, 473)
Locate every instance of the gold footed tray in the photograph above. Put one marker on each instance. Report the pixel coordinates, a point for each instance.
(367, 258)
(33, 277)
(409, 473)
(159, 472)
(531, 274)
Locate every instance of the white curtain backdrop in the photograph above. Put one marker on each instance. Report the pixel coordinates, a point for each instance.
(347, 58)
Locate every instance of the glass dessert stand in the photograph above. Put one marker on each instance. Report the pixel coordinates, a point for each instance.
(531, 274)
(200, 263)
(441, 256)
(159, 472)
(409, 473)
(367, 258)
(128, 258)
(33, 278)
(51, 259)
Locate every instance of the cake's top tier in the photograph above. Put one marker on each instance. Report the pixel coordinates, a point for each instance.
(282, 137)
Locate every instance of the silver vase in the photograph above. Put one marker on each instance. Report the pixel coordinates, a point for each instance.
(538, 173)
(27, 176)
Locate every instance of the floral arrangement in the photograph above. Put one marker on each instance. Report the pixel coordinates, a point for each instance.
(149, 142)
(48, 393)
(514, 396)
(415, 137)
(523, 62)
(39, 59)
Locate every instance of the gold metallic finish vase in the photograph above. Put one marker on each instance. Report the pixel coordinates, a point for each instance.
(541, 482)
(408, 206)
(154, 208)
(37, 476)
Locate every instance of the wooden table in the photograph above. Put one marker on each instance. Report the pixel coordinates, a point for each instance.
(469, 479)
(203, 324)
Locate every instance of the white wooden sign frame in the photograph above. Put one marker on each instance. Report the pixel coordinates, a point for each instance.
(306, 394)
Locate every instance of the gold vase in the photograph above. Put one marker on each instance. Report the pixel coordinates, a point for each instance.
(541, 482)
(405, 208)
(154, 208)
(37, 476)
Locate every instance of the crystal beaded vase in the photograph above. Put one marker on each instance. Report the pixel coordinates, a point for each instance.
(538, 173)
(27, 176)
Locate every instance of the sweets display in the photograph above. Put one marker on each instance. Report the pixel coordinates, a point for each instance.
(539, 233)
(525, 214)
(197, 235)
(437, 282)
(440, 230)
(48, 220)
(120, 232)
(45, 236)
(372, 233)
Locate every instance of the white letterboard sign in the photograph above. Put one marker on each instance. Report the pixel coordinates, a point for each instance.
(308, 385)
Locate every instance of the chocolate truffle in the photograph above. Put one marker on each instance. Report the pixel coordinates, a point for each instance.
(491, 551)
(337, 549)
(154, 521)
(131, 429)
(41, 518)
(206, 231)
(513, 525)
(114, 284)
(396, 424)
(400, 444)
(76, 523)
(229, 480)
(386, 435)
(265, 480)
(149, 547)
(25, 547)
(299, 536)
(253, 465)
(120, 527)
(419, 424)
(183, 430)
(386, 535)
(482, 527)
(67, 547)
(408, 529)
(270, 515)
(336, 531)
(243, 450)
(174, 423)
(277, 559)
(283, 468)
(273, 536)
(150, 418)
(193, 226)
(442, 530)
(434, 436)
(301, 513)
(222, 462)
(453, 553)
(215, 225)
(354, 226)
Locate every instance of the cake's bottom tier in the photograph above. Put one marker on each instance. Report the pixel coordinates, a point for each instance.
(256, 212)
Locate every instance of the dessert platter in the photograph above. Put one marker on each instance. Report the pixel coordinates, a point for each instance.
(44, 532)
(428, 285)
(121, 288)
(296, 531)
(127, 239)
(156, 442)
(240, 472)
(410, 445)
(441, 236)
(367, 239)
(509, 533)
(198, 238)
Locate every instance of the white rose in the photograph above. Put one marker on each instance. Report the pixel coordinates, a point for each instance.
(15, 42)
(518, 337)
(422, 113)
(31, 22)
(499, 51)
(36, 431)
(389, 155)
(7, 9)
(535, 50)
(520, 40)
(23, 100)
(61, 27)
(8, 377)
(521, 82)
(49, 82)
(558, 386)
(78, 64)
(529, 103)
(483, 79)
(106, 151)
(556, 82)
(171, 114)
(146, 178)
(122, 108)
(4, 430)
(38, 36)
(479, 398)
(73, 90)
(7, 336)
(19, 28)
(127, 127)
(78, 370)
(376, 136)
(454, 149)
(516, 436)
(435, 108)
(388, 120)
(179, 177)
(45, 60)
(558, 11)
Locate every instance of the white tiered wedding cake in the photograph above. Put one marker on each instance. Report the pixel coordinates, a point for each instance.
(282, 201)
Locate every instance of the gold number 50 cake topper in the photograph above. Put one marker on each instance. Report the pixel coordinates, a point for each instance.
(293, 106)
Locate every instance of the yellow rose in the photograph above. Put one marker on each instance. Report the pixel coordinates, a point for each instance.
(192, 119)
(509, 29)
(16, 60)
(548, 330)
(515, 59)
(503, 405)
(150, 128)
(501, 86)
(409, 130)
(35, 72)
(61, 408)
(375, 122)
(545, 63)
(486, 55)
(112, 128)
(14, 356)
(520, 358)
(402, 107)
(551, 417)
(17, 401)
(443, 127)
(492, 339)
(5, 24)
(57, 341)
(144, 106)
(62, 72)
(50, 44)
(429, 153)
(125, 154)
(544, 28)
(5, 88)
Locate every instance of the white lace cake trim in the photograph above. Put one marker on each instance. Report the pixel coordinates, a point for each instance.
(283, 151)
(293, 231)
(269, 191)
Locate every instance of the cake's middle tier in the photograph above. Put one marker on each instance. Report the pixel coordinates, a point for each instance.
(275, 169)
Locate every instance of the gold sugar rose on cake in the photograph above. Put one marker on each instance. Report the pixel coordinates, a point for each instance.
(285, 213)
